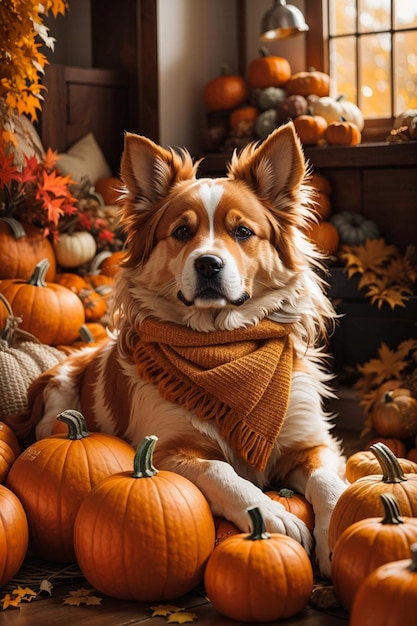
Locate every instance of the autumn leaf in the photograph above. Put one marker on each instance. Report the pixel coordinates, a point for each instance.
(10, 600)
(393, 296)
(81, 596)
(16, 596)
(388, 365)
(181, 618)
(162, 610)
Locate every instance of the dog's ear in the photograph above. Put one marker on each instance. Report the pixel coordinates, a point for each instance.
(275, 169)
(149, 171)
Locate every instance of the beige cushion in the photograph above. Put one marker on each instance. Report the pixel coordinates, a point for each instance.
(84, 159)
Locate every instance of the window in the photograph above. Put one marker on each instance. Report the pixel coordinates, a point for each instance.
(369, 48)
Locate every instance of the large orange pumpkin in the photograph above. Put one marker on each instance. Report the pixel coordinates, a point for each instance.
(53, 476)
(268, 71)
(367, 544)
(49, 311)
(258, 577)
(144, 535)
(364, 463)
(14, 535)
(361, 499)
(21, 247)
(9, 450)
(225, 92)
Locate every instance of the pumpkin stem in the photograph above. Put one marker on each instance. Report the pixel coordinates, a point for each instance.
(391, 508)
(413, 565)
(388, 397)
(142, 464)
(285, 492)
(39, 273)
(391, 470)
(258, 524)
(77, 428)
(15, 226)
(86, 334)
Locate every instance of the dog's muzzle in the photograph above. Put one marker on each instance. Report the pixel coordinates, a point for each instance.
(209, 268)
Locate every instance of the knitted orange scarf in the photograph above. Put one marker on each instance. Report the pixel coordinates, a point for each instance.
(240, 378)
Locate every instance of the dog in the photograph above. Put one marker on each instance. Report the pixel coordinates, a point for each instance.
(219, 335)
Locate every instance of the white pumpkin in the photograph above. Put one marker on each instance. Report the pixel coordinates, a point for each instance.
(74, 249)
(405, 118)
(332, 109)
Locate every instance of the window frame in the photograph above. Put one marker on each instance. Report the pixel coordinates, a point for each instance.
(317, 56)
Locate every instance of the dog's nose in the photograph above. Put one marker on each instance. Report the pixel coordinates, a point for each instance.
(208, 265)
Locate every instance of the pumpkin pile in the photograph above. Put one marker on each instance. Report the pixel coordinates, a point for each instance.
(240, 110)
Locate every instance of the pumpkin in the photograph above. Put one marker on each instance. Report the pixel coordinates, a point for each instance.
(9, 450)
(14, 535)
(310, 82)
(52, 477)
(364, 463)
(412, 454)
(268, 71)
(225, 92)
(74, 249)
(310, 128)
(321, 183)
(158, 536)
(332, 109)
(296, 504)
(22, 359)
(387, 596)
(21, 247)
(224, 529)
(265, 123)
(109, 264)
(354, 229)
(397, 446)
(362, 498)
(367, 544)
(71, 281)
(109, 188)
(342, 133)
(395, 414)
(49, 311)
(325, 236)
(291, 108)
(258, 577)
(270, 97)
(243, 114)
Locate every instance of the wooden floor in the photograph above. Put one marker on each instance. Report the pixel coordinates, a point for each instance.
(53, 609)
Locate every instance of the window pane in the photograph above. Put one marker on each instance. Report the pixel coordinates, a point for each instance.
(375, 75)
(405, 14)
(405, 78)
(343, 67)
(374, 15)
(342, 17)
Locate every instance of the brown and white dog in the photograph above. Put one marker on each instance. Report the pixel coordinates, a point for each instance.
(218, 273)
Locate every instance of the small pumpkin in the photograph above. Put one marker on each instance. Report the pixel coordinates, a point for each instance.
(242, 114)
(268, 71)
(291, 108)
(158, 536)
(387, 596)
(325, 235)
(21, 247)
(109, 188)
(332, 109)
(52, 477)
(367, 544)
(395, 414)
(9, 450)
(225, 92)
(265, 123)
(310, 128)
(397, 446)
(309, 82)
(354, 229)
(14, 535)
(364, 463)
(109, 264)
(71, 281)
(342, 133)
(361, 498)
(49, 311)
(296, 504)
(321, 183)
(74, 249)
(258, 577)
(224, 529)
(270, 97)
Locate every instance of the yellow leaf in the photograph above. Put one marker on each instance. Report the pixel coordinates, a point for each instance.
(164, 610)
(10, 600)
(181, 618)
(81, 596)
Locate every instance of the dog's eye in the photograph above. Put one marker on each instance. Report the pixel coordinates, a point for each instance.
(182, 233)
(243, 232)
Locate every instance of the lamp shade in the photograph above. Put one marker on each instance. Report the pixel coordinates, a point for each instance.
(282, 21)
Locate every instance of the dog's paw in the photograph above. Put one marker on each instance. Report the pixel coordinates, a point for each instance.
(278, 520)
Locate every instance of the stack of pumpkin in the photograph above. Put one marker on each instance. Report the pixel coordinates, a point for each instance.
(241, 110)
